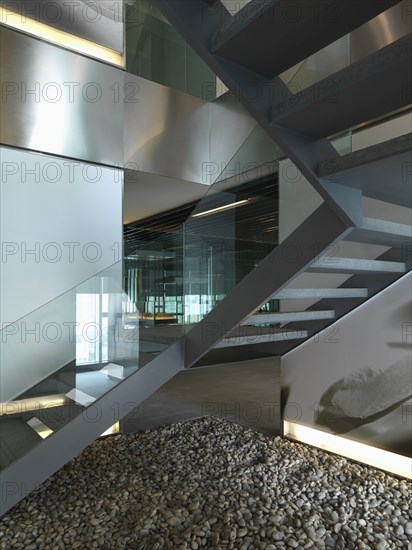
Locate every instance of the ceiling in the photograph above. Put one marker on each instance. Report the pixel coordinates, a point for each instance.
(148, 194)
(256, 221)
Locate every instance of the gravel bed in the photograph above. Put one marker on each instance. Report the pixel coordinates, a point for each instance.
(209, 483)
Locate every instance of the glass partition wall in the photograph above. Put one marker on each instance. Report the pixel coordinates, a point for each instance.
(180, 276)
(155, 50)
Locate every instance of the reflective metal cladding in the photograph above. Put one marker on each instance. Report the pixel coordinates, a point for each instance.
(59, 102)
(62, 103)
(180, 136)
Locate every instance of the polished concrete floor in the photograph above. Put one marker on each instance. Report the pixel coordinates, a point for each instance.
(245, 392)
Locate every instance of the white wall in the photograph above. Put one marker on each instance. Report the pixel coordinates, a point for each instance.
(70, 215)
(377, 335)
(40, 214)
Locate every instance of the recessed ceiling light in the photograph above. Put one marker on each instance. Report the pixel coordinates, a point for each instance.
(220, 208)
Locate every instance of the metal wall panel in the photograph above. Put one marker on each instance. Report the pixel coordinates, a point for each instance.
(166, 131)
(59, 102)
(101, 22)
(63, 103)
(384, 29)
(179, 136)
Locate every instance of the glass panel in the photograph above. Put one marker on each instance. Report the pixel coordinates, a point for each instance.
(63, 356)
(155, 50)
(153, 279)
(226, 236)
(178, 278)
(297, 198)
(318, 66)
(256, 155)
(325, 62)
(342, 142)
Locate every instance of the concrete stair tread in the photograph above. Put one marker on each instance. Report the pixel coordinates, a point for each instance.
(378, 171)
(288, 317)
(55, 417)
(303, 293)
(328, 264)
(383, 232)
(93, 383)
(262, 337)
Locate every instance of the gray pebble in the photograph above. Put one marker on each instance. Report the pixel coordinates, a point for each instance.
(210, 483)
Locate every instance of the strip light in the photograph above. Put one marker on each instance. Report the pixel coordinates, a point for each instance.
(33, 404)
(372, 456)
(220, 208)
(61, 38)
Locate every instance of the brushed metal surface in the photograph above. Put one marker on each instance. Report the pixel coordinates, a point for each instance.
(63, 103)
(166, 132)
(59, 102)
(381, 31)
(173, 134)
(101, 22)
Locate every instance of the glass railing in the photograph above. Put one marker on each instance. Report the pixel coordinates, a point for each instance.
(256, 157)
(179, 277)
(62, 357)
(226, 236)
(71, 351)
(318, 66)
(153, 280)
